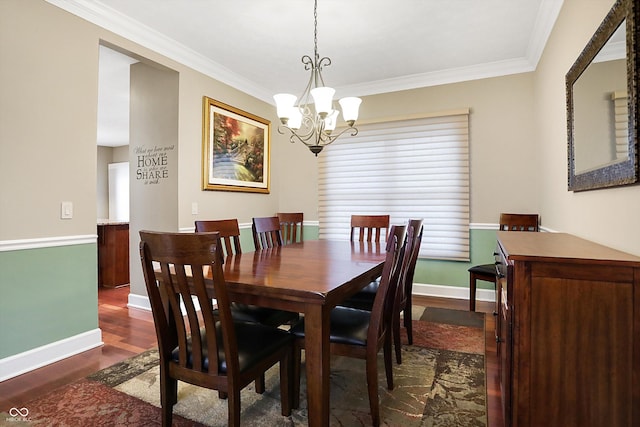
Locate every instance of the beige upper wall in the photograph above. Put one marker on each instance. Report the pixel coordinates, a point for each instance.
(48, 132)
(607, 216)
(47, 121)
(48, 129)
(292, 170)
(500, 119)
(503, 151)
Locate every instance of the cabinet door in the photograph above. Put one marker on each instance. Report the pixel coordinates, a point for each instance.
(504, 348)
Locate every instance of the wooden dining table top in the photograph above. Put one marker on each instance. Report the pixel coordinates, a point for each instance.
(314, 271)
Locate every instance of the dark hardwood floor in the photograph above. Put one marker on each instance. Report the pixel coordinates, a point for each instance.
(129, 331)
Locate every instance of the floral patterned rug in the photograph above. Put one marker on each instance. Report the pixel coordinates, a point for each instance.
(441, 382)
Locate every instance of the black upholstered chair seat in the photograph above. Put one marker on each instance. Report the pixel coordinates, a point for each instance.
(255, 342)
(347, 326)
(486, 269)
(363, 300)
(264, 315)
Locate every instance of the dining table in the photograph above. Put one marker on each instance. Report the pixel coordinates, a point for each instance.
(311, 278)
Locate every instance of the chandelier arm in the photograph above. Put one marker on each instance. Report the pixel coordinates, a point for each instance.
(308, 62)
(304, 138)
(323, 62)
(331, 137)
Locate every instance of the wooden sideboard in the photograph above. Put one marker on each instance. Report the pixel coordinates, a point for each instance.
(113, 254)
(568, 331)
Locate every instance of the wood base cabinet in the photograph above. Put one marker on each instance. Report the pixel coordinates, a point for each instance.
(113, 254)
(569, 332)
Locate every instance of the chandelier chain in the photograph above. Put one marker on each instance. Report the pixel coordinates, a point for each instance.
(315, 29)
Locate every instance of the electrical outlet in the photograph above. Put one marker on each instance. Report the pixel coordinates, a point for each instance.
(194, 208)
(66, 210)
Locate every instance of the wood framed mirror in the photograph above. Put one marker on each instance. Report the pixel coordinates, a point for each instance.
(602, 111)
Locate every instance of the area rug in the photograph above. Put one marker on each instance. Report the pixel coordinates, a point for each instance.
(441, 382)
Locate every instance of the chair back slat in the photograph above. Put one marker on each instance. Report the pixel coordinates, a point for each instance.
(291, 226)
(266, 232)
(229, 233)
(369, 228)
(519, 222)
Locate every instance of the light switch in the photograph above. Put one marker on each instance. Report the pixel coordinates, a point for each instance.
(66, 210)
(194, 208)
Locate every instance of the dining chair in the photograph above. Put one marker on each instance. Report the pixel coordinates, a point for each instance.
(291, 226)
(402, 303)
(487, 272)
(403, 299)
(215, 352)
(361, 333)
(266, 232)
(369, 228)
(229, 231)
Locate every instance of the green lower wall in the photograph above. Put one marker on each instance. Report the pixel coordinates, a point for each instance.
(49, 294)
(436, 272)
(454, 273)
(46, 295)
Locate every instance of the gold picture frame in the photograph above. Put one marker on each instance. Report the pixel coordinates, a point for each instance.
(235, 149)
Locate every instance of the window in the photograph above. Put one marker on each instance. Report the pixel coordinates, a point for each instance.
(415, 168)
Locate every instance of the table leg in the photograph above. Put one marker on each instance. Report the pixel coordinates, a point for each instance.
(317, 357)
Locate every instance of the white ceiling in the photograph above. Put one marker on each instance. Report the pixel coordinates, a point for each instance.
(113, 98)
(375, 46)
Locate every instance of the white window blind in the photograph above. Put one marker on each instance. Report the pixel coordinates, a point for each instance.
(621, 121)
(408, 169)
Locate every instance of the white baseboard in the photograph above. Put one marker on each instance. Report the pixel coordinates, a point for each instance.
(455, 292)
(139, 301)
(21, 363)
(142, 302)
(443, 291)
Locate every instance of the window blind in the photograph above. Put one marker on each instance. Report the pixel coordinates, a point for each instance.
(415, 168)
(621, 124)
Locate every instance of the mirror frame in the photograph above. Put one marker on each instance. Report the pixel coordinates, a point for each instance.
(619, 173)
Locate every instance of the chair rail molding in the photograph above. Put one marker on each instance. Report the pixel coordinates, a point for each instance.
(46, 242)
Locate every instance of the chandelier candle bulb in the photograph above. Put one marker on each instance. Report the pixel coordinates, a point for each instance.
(295, 121)
(330, 121)
(323, 98)
(285, 104)
(350, 106)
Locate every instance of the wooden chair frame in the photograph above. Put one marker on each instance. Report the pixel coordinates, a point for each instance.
(369, 228)
(266, 232)
(403, 299)
(229, 233)
(379, 334)
(291, 226)
(189, 344)
(487, 272)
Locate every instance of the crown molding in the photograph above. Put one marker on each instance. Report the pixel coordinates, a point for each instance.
(545, 21)
(118, 23)
(441, 77)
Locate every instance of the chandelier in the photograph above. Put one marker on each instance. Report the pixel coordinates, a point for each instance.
(315, 127)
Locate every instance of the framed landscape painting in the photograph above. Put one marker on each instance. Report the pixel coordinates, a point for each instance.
(235, 149)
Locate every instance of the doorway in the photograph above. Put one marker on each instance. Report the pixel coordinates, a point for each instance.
(112, 183)
(137, 119)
